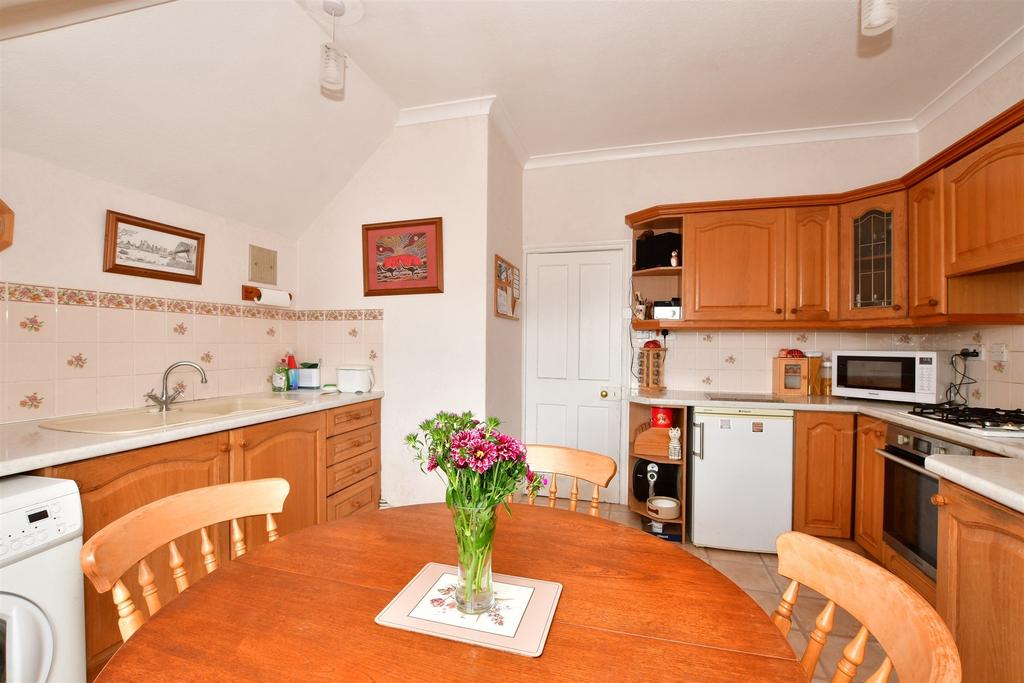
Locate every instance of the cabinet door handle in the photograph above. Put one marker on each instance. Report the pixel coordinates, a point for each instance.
(933, 302)
(897, 307)
(224, 448)
(243, 444)
(778, 311)
(794, 311)
(938, 500)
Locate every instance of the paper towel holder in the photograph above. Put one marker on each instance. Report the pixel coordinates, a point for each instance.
(250, 293)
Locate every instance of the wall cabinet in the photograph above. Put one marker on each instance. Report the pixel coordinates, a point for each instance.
(873, 258)
(870, 486)
(293, 449)
(812, 268)
(823, 474)
(927, 247)
(981, 583)
(984, 206)
(733, 265)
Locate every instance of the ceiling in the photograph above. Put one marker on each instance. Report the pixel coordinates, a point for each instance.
(215, 103)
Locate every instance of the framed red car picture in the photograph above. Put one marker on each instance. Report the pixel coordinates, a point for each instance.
(403, 257)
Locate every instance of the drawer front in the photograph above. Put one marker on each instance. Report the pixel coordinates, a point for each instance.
(362, 496)
(351, 444)
(352, 470)
(341, 420)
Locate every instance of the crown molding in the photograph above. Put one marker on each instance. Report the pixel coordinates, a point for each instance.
(725, 142)
(441, 111)
(503, 122)
(987, 66)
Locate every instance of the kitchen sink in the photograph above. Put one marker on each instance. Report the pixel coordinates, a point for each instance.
(139, 420)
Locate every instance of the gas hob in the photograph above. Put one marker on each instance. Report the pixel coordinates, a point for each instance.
(985, 421)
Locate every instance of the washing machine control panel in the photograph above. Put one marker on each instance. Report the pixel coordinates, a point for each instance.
(27, 530)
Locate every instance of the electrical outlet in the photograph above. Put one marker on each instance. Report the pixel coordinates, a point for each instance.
(999, 352)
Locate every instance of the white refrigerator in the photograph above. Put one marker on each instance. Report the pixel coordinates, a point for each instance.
(741, 477)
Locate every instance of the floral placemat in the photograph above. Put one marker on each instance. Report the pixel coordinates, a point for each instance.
(518, 622)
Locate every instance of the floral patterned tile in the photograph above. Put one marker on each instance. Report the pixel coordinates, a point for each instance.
(31, 293)
(352, 315)
(77, 297)
(180, 306)
(3, 291)
(315, 315)
(251, 312)
(206, 308)
(373, 314)
(112, 300)
(231, 310)
(271, 313)
(150, 303)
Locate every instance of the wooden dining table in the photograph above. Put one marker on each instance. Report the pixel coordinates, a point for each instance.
(633, 607)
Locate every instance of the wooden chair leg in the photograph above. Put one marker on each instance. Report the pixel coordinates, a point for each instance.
(783, 615)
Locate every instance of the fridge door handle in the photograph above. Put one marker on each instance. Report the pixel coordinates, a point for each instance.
(699, 440)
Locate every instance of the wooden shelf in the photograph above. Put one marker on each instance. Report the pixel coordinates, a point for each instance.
(641, 509)
(673, 271)
(660, 459)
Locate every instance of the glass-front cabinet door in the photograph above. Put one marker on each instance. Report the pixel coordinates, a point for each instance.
(873, 258)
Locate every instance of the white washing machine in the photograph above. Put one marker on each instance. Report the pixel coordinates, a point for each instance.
(42, 619)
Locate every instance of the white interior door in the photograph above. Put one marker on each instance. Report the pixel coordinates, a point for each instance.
(574, 361)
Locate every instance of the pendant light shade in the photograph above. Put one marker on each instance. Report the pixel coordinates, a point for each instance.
(332, 72)
(877, 16)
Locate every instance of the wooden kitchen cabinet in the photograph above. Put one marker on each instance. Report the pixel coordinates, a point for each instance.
(823, 474)
(870, 486)
(112, 486)
(984, 206)
(734, 265)
(981, 583)
(293, 449)
(873, 258)
(926, 235)
(812, 262)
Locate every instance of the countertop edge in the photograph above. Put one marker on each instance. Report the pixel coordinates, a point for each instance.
(980, 476)
(120, 443)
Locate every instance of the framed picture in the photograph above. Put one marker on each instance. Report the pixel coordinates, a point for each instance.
(506, 289)
(6, 226)
(403, 257)
(145, 248)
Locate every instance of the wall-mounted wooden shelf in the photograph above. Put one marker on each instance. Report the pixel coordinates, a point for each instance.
(670, 271)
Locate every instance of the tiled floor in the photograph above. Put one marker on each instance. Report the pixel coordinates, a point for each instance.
(755, 573)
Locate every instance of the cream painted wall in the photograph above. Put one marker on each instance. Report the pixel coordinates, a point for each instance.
(997, 93)
(59, 228)
(505, 238)
(587, 202)
(434, 352)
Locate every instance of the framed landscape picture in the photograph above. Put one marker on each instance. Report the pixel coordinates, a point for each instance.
(403, 257)
(506, 289)
(145, 248)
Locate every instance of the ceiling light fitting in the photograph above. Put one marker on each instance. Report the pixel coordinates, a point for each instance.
(877, 16)
(332, 60)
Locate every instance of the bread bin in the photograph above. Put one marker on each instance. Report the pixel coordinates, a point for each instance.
(355, 379)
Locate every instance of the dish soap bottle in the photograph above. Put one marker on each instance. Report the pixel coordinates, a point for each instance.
(279, 380)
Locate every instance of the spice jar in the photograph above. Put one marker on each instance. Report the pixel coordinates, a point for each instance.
(826, 378)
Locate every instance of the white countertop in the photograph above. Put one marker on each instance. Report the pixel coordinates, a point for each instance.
(25, 446)
(1001, 479)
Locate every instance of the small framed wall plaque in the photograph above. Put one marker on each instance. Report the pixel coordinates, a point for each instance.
(506, 289)
(145, 248)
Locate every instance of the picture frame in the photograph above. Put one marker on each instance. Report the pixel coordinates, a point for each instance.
(6, 225)
(507, 289)
(144, 248)
(403, 257)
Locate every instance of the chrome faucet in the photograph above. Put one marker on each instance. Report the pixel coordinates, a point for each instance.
(164, 401)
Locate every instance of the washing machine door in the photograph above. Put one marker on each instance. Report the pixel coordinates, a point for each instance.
(26, 641)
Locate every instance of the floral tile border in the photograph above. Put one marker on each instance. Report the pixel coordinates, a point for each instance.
(11, 291)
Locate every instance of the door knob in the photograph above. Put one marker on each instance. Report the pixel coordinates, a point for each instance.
(794, 311)
(896, 307)
(604, 393)
(933, 302)
(938, 500)
(778, 311)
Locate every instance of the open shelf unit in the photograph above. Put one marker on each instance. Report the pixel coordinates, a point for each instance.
(656, 450)
(663, 282)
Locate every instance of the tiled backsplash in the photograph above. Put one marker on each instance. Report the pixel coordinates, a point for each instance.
(728, 360)
(70, 351)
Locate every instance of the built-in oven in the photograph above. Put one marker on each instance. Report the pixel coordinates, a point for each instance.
(910, 521)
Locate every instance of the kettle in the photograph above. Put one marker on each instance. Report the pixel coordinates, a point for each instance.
(355, 379)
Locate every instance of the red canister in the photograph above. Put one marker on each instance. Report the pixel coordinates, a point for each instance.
(661, 417)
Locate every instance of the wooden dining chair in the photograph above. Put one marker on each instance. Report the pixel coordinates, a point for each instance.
(112, 550)
(917, 643)
(571, 462)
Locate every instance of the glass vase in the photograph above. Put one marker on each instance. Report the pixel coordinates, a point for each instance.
(474, 536)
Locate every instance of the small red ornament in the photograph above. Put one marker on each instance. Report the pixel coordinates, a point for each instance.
(661, 417)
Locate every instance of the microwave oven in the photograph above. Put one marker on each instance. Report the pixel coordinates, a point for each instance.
(905, 376)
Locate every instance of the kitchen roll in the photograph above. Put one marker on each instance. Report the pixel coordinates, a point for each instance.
(273, 297)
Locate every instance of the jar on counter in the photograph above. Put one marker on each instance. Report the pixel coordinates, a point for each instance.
(826, 378)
